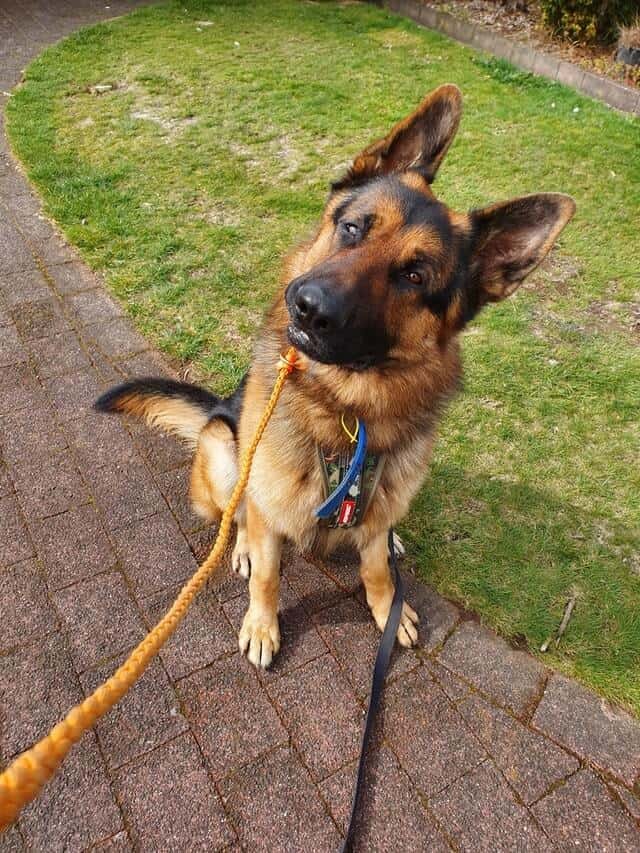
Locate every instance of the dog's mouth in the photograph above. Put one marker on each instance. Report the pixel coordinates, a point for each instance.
(319, 350)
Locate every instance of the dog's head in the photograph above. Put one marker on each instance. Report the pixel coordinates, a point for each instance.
(391, 265)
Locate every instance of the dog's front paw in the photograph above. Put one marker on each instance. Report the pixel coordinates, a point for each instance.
(259, 638)
(407, 634)
(240, 560)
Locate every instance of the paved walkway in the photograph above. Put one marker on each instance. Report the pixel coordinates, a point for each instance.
(480, 747)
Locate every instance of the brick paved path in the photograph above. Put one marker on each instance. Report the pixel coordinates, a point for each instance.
(481, 748)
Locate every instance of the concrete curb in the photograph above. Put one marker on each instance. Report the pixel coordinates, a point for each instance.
(529, 59)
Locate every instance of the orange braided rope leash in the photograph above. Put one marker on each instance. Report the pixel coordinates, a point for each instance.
(24, 778)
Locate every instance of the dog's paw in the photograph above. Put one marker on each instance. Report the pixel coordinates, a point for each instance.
(407, 634)
(259, 638)
(408, 630)
(398, 545)
(240, 560)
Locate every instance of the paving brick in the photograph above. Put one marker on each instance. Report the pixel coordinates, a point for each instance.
(513, 678)
(97, 440)
(118, 843)
(125, 493)
(170, 803)
(39, 319)
(427, 734)
(201, 638)
(438, 617)
(6, 486)
(146, 364)
(630, 802)
(25, 610)
(11, 841)
(274, 806)
(454, 687)
(350, 632)
(15, 544)
(76, 807)
(321, 714)
(15, 255)
(481, 814)
(174, 485)
(74, 394)
(587, 724)
(299, 639)
(342, 567)
(108, 373)
(49, 485)
(23, 287)
(117, 338)
(313, 587)
(146, 717)
(11, 350)
(100, 618)
(53, 251)
(38, 685)
(92, 306)
(582, 815)
(59, 354)
(391, 816)
(530, 763)
(72, 277)
(163, 452)
(27, 212)
(27, 435)
(19, 389)
(154, 554)
(230, 715)
(72, 546)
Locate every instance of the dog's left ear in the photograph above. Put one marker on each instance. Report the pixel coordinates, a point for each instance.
(419, 142)
(508, 241)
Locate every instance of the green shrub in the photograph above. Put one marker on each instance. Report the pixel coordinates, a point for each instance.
(588, 20)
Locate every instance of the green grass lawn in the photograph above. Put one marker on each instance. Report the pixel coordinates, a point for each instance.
(186, 182)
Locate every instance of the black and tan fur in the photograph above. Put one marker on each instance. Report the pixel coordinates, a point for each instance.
(375, 303)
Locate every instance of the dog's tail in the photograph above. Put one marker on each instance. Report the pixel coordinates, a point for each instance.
(175, 407)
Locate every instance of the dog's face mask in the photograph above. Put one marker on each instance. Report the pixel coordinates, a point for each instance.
(391, 266)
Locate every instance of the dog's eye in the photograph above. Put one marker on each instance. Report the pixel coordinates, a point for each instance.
(351, 229)
(412, 277)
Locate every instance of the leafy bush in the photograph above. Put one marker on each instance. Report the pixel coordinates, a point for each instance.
(588, 20)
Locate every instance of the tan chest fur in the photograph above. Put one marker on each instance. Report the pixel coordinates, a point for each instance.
(400, 413)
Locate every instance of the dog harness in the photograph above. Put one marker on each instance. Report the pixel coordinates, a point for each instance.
(351, 478)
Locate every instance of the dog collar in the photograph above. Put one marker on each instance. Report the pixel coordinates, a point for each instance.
(350, 479)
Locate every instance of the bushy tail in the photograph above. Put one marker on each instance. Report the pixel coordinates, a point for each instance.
(175, 407)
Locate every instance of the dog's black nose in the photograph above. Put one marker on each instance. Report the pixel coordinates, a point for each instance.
(316, 310)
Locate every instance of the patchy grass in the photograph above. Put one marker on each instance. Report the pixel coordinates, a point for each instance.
(186, 181)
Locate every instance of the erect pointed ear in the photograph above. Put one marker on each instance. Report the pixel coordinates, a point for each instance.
(419, 142)
(510, 239)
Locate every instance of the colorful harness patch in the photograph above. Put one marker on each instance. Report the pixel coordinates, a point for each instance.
(351, 478)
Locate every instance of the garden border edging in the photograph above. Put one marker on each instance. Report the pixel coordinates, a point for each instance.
(527, 58)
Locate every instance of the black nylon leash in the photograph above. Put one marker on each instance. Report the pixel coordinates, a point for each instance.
(377, 684)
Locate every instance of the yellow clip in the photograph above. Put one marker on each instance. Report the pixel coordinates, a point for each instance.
(353, 436)
(290, 361)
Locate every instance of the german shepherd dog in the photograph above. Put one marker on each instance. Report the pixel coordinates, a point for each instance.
(374, 303)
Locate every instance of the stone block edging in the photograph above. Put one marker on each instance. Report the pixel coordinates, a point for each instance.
(527, 58)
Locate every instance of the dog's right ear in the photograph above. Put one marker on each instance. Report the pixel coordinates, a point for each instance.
(418, 143)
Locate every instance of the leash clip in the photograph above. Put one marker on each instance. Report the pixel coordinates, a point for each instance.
(290, 360)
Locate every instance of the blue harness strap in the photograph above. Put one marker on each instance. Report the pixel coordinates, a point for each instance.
(333, 502)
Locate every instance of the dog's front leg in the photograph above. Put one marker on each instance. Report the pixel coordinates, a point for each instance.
(260, 634)
(374, 570)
